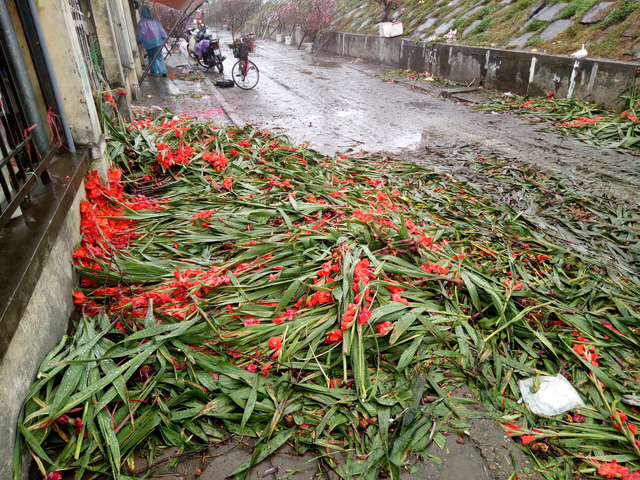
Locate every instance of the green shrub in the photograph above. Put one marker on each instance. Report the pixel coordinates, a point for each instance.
(534, 41)
(460, 23)
(537, 25)
(619, 14)
(576, 8)
(488, 10)
(516, 9)
(482, 26)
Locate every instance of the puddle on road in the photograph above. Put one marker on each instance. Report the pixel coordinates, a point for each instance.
(323, 63)
(348, 113)
(407, 141)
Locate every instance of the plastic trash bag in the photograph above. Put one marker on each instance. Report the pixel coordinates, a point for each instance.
(556, 395)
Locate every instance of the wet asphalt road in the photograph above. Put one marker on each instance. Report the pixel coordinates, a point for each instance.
(340, 104)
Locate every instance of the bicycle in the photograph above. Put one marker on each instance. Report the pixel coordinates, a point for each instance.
(211, 55)
(245, 73)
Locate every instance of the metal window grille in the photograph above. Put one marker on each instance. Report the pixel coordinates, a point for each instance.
(82, 32)
(20, 162)
(122, 38)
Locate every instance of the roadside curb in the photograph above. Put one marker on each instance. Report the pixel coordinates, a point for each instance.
(226, 106)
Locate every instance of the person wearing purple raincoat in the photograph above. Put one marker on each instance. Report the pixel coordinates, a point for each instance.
(151, 36)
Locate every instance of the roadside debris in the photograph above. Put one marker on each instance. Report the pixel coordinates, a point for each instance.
(236, 283)
(554, 396)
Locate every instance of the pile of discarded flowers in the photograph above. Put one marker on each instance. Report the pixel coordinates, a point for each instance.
(590, 123)
(233, 282)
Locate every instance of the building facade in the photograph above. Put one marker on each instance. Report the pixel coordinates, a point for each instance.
(56, 57)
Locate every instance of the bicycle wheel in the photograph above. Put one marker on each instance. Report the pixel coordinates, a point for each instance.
(219, 64)
(245, 74)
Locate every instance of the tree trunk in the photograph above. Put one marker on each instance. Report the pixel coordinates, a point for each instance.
(302, 41)
(272, 32)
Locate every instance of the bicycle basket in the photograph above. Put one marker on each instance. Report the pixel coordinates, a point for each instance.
(242, 51)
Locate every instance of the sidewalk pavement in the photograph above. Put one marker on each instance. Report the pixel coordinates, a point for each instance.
(483, 452)
(188, 89)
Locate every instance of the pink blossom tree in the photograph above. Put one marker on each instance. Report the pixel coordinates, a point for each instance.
(236, 12)
(387, 7)
(271, 15)
(317, 17)
(288, 13)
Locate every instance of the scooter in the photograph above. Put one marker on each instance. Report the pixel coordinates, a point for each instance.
(205, 49)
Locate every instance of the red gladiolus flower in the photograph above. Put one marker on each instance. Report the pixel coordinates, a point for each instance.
(593, 359)
(79, 298)
(633, 427)
(610, 326)
(623, 416)
(394, 289)
(227, 183)
(276, 344)
(334, 336)
(252, 368)
(203, 215)
(364, 316)
(384, 328)
(53, 476)
(631, 476)
(432, 267)
(266, 368)
(347, 317)
(577, 418)
(512, 426)
(396, 297)
(527, 439)
(319, 297)
(62, 419)
(79, 425)
(610, 470)
(334, 383)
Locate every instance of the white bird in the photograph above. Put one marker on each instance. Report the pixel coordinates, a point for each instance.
(580, 53)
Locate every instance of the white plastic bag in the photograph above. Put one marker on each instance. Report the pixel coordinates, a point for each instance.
(556, 395)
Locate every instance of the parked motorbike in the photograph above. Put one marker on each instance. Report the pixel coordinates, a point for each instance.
(205, 49)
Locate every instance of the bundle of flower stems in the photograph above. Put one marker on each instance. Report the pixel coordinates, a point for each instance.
(234, 283)
(590, 123)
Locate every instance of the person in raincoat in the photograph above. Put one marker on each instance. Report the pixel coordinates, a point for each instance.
(151, 36)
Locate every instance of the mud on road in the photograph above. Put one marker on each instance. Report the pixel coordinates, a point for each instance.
(340, 104)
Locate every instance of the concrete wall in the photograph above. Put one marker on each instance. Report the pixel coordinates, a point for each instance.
(600, 81)
(71, 71)
(41, 327)
(525, 73)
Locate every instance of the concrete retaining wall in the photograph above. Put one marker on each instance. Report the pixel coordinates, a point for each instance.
(525, 73)
(595, 80)
(40, 302)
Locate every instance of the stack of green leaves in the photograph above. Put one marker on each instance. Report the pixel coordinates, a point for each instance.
(590, 123)
(235, 283)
